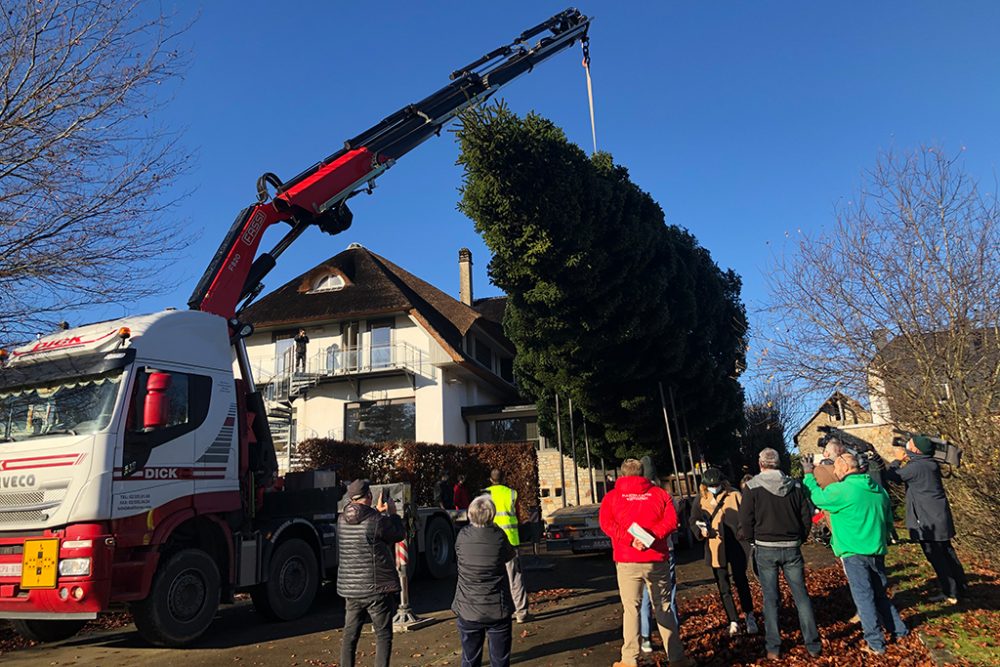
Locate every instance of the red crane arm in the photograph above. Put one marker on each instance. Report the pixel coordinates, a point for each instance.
(317, 196)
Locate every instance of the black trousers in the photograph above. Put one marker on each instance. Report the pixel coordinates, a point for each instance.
(949, 571)
(737, 560)
(380, 609)
(473, 635)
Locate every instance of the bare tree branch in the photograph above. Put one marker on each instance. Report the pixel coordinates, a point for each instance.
(84, 171)
(899, 302)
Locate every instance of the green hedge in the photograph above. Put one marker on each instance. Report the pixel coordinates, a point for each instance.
(421, 464)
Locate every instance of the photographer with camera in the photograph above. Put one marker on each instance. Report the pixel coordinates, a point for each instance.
(928, 515)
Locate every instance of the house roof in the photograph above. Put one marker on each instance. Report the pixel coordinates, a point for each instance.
(835, 396)
(374, 286)
(492, 309)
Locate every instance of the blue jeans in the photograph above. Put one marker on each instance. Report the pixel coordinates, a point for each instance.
(473, 634)
(789, 560)
(646, 609)
(866, 578)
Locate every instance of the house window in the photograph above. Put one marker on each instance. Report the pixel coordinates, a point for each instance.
(507, 369)
(328, 283)
(484, 353)
(284, 351)
(516, 429)
(381, 421)
(349, 339)
(381, 343)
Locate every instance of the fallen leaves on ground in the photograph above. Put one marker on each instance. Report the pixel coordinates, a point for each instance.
(551, 595)
(705, 631)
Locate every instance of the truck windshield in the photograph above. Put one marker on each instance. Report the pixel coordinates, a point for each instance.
(69, 406)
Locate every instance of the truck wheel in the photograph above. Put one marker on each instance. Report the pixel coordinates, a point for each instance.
(47, 631)
(182, 600)
(292, 582)
(439, 549)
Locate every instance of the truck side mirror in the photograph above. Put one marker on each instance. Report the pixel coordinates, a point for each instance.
(156, 404)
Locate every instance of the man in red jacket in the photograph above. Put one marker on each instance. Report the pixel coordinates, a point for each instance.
(635, 501)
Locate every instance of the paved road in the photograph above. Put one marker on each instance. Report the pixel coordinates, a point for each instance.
(577, 621)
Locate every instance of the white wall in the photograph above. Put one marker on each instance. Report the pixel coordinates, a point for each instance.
(439, 395)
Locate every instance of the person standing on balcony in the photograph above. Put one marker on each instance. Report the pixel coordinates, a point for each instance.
(301, 340)
(505, 500)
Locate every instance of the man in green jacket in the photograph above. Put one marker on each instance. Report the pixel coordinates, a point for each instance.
(861, 520)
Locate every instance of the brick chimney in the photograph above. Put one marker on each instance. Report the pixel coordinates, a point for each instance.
(465, 276)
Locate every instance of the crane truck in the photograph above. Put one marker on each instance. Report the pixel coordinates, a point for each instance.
(137, 468)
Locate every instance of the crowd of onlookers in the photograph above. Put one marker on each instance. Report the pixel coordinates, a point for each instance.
(759, 527)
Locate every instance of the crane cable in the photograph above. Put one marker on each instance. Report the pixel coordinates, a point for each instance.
(590, 89)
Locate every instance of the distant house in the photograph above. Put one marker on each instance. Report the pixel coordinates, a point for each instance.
(912, 376)
(391, 357)
(916, 374)
(850, 419)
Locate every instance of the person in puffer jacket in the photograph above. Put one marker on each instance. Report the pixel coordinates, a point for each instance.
(366, 570)
(635, 501)
(483, 601)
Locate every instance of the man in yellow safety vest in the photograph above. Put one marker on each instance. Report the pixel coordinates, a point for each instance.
(505, 499)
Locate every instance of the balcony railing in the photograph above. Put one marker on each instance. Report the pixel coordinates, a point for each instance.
(334, 361)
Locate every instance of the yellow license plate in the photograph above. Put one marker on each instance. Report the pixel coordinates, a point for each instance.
(40, 563)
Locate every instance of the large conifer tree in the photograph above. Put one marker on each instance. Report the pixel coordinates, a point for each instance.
(605, 299)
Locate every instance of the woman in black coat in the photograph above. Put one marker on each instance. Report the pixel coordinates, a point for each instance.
(483, 602)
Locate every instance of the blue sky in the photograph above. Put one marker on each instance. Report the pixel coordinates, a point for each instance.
(747, 121)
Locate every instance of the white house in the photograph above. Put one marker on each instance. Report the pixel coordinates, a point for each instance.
(392, 357)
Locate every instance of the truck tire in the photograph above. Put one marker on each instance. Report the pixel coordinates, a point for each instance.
(182, 600)
(439, 549)
(292, 582)
(47, 631)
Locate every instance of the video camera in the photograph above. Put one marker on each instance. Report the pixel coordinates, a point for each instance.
(944, 451)
(863, 452)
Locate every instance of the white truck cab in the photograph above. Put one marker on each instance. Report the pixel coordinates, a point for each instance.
(117, 439)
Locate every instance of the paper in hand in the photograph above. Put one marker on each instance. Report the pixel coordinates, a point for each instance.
(641, 534)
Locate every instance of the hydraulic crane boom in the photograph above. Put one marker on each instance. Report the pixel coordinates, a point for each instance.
(318, 195)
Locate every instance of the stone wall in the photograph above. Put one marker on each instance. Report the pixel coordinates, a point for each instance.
(549, 482)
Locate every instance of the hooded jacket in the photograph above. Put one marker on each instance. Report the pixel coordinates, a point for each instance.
(635, 500)
(776, 511)
(860, 518)
(366, 564)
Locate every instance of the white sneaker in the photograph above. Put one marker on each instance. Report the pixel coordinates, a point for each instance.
(752, 628)
(734, 629)
(646, 646)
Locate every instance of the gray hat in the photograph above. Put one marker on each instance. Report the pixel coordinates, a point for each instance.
(358, 489)
(769, 457)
